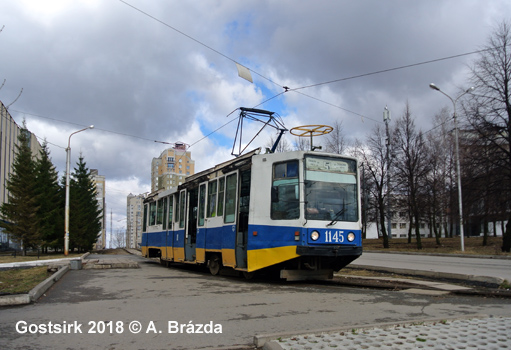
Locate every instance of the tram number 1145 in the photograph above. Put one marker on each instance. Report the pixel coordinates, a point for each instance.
(336, 237)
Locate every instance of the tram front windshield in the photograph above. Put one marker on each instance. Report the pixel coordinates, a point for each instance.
(330, 189)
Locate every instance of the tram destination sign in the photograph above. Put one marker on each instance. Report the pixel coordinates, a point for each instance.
(327, 165)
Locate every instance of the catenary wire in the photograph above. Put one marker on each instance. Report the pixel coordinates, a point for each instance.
(196, 40)
(306, 86)
(82, 125)
(394, 69)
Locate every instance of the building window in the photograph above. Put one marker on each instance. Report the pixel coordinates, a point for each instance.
(402, 225)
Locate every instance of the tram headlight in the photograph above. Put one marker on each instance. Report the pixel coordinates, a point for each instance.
(314, 235)
(351, 237)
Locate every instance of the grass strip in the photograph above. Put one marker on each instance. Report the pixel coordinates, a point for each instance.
(20, 281)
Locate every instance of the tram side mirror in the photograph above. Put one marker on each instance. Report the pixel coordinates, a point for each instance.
(274, 194)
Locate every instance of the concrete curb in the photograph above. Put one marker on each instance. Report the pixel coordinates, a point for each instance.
(46, 262)
(473, 256)
(42, 287)
(16, 299)
(35, 293)
(265, 340)
(454, 276)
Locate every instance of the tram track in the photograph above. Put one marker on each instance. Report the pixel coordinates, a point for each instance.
(362, 279)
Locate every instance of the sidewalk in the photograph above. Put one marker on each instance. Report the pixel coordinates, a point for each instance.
(475, 333)
(61, 266)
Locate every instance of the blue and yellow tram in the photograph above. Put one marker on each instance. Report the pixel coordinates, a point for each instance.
(295, 212)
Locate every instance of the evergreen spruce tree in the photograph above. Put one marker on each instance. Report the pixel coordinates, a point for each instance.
(50, 201)
(19, 214)
(85, 214)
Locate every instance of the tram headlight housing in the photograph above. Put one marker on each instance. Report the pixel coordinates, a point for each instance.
(351, 237)
(314, 235)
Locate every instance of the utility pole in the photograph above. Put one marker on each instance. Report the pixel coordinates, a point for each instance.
(111, 229)
(458, 170)
(386, 119)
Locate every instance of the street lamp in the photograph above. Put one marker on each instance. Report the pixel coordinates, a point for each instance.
(66, 213)
(458, 172)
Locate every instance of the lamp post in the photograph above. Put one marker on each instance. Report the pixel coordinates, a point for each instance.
(458, 172)
(66, 213)
(386, 119)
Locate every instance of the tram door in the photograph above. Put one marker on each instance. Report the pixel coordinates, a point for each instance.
(191, 224)
(167, 224)
(242, 227)
(145, 234)
(202, 225)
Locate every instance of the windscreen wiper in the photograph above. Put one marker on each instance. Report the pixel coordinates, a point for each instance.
(336, 217)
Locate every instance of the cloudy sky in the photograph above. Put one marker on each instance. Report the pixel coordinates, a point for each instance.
(164, 70)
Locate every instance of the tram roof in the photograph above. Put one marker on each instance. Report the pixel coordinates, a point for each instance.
(221, 166)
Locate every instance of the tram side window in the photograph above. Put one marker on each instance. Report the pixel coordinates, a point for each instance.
(221, 193)
(230, 199)
(177, 208)
(285, 195)
(202, 202)
(159, 212)
(182, 209)
(165, 200)
(152, 213)
(212, 195)
(171, 212)
(144, 225)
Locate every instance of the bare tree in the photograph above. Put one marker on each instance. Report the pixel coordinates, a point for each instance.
(283, 145)
(489, 115)
(439, 180)
(336, 140)
(301, 144)
(373, 157)
(119, 239)
(411, 166)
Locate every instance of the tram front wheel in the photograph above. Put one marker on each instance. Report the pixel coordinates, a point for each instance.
(215, 265)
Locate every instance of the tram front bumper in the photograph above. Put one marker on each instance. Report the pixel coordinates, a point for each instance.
(334, 251)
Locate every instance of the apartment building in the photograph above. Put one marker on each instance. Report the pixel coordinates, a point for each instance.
(172, 167)
(99, 181)
(134, 217)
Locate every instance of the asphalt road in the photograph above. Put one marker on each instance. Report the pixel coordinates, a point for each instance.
(110, 303)
(449, 264)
